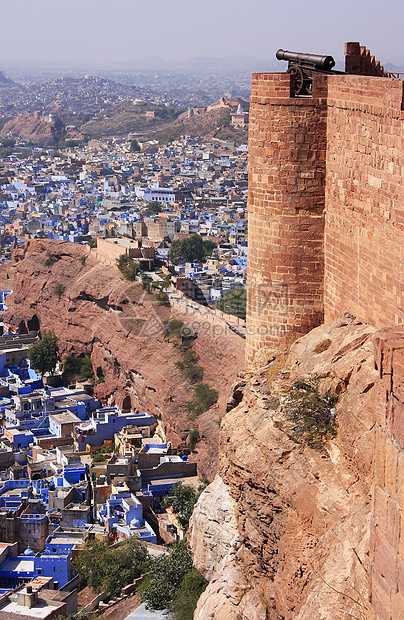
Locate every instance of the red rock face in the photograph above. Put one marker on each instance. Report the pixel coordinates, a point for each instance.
(302, 515)
(61, 286)
(34, 128)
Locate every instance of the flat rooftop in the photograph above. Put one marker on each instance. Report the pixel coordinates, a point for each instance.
(65, 418)
(20, 565)
(42, 609)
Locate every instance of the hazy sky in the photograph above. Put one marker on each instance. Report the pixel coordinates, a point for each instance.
(101, 32)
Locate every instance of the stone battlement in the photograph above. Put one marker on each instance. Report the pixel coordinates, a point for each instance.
(326, 216)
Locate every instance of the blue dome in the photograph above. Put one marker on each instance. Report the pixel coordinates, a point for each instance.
(29, 551)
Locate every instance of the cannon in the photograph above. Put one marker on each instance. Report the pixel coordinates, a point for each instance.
(302, 66)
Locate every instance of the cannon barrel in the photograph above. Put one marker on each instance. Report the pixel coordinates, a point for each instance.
(325, 63)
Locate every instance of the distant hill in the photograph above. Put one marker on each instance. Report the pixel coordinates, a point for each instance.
(4, 81)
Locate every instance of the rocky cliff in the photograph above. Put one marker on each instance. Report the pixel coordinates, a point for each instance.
(35, 128)
(62, 286)
(291, 537)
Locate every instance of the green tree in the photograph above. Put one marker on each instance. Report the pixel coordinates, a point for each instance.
(182, 499)
(204, 398)
(146, 283)
(233, 302)
(7, 142)
(153, 208)
(186, 598)
(111, 568)
(175, 253)
(134, 146)
(127, 266)
(191, 249)
(44, 354)
(166, 575)
(209, 246)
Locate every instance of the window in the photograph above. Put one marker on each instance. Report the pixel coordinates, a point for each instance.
(54, 550)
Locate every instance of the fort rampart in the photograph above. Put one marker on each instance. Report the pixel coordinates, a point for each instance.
(326, 212)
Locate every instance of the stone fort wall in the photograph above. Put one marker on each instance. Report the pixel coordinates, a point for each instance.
(364, 202)
(326, 211)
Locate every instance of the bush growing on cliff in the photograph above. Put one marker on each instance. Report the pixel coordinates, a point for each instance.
(193, 439)
(186, 598)
(173, 583)
(190, 370)
(76, 367)
(59, 289)
(43, 355)
(173, 327)
(204, 398)
(51, 259)
(312, 412)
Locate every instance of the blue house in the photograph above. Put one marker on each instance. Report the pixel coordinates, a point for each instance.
(23, 568)
(123, 513)
(108, 421)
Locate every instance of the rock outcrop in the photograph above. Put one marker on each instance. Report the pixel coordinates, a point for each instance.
(62, 286)
(35, 127)
(213, 529)
(302, 514)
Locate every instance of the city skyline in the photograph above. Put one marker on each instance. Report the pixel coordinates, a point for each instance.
(95, 33)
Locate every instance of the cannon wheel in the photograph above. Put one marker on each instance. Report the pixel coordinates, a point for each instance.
(297, 73)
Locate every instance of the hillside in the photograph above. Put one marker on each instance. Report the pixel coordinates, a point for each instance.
(121, 327)
(126, 119)
(122, 119)
(35, 128)
(210, 124)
